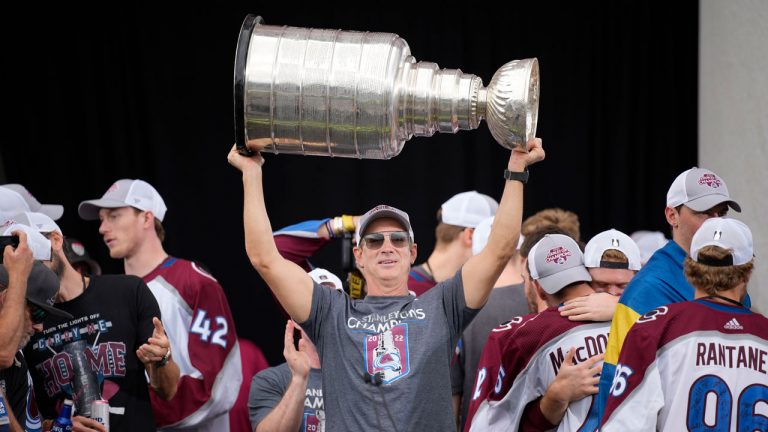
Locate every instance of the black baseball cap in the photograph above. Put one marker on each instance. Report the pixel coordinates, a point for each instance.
(42, 287)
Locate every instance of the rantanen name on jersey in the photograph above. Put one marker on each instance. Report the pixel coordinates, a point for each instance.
(731, 356)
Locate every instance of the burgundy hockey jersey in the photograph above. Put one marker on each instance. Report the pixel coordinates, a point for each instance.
(696, 365)
(199, 325)
(520, 361)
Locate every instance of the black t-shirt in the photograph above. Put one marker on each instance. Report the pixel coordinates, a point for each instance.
(15, 384)
(114, 315)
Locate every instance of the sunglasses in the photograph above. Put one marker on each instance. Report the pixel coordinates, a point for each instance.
(37, 314)
(399, 239)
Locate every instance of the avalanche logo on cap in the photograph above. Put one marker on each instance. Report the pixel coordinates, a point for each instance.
(710, 180)
(78, 249)
(558, 255)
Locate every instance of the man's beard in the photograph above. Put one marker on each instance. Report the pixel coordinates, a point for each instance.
(24, 340)
(57, 266)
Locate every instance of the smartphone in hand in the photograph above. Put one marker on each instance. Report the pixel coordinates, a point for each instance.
(12, 241)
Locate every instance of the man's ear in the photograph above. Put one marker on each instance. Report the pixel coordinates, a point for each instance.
(414, 251)
(358, 253)
(539, 290)
(673, 217)
(149, 220)
(466, 237)
(57, 240)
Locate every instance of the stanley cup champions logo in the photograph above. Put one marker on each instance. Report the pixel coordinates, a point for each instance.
(710, 180)
(387, 353)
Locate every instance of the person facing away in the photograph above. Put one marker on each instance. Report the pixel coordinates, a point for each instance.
(524, 356)
(507, 300)
(698, 364)
(696, 195)
(195, 310)
(390, 351)
(457, 219)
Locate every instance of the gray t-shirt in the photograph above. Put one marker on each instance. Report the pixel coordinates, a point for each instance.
(268, 388)
(503, 304)
(405, 343)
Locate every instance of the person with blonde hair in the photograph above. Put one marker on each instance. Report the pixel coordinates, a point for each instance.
(699, 364)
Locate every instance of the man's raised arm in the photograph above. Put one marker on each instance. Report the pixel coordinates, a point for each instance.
(482, 270)
(289, 282)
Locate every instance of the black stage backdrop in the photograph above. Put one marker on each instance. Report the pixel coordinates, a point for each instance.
(138, 92)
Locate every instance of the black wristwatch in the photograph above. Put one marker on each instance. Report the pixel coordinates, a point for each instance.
(519, 176)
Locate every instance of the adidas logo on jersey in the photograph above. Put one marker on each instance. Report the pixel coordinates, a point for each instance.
(733, 325)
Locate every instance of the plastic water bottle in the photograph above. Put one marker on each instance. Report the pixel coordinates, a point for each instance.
(63, 422)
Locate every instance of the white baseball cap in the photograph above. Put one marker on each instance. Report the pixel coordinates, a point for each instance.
(41, 246)
(729, 234)
(39, 221)
(323, 277)
(482, 232)
(612, 239)
(699, 189)
(16, 198)
(556, 262)
(468, 209)
(648, 242)
(126, 193)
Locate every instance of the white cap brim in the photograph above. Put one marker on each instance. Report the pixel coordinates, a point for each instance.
(555, 282)
(53, 211)
(89, 210)
(706, 202)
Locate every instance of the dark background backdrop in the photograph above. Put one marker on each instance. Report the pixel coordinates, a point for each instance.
(93, 96)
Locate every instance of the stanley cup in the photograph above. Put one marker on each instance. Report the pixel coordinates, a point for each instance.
(362, 95)
(85, 383)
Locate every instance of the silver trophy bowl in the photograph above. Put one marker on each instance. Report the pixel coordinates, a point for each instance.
(362, 95)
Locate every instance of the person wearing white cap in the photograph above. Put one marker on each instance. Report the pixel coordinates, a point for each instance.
(16, 198)
(289, 396)
(648, 242)
(195, 310)
(523, 356)
(695, 195)
(507, 300)
(612, 259)
(390, 340)
(40, 245)
(456, 220)
(698, 364)
(119, 317)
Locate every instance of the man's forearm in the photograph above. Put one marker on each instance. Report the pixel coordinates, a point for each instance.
(164, 379)
(552, 408)
(259, 243)
(480, 273)
(287, 414)
(12, 321)
(506, 225)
